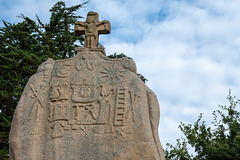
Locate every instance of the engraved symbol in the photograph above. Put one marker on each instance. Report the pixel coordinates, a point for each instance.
(112, 75)
(84, 88)
(80, 64)
(101, 117)
(119, 118)
(85, 129)
(57, 129)
(46, 76)
(66, 125)
(85, 91)
(89, 110)
(109, 127)
(54, 93)
(63, 71)
(72, 124)
(91, 64)
(35, 94)
(58, 112)
(121, 131)
(77, 114)
(86, 61)
(62, 90)
(88, 114)
(43, 88)
(134, 99)
(58, 115)
(97, 130)
(105, 90)
(58, 92)
(45, 67)
(129, 130)
(129, 64)
(35, 112)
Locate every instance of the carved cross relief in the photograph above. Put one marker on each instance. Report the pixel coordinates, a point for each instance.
(92, 28)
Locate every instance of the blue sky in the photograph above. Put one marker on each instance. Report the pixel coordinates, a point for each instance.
(188, 50)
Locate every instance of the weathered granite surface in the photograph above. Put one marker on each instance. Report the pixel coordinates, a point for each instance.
(88, 107)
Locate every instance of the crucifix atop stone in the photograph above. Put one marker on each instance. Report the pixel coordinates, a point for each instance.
(92, 28)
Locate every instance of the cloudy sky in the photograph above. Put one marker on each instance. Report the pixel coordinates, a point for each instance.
(189, 50)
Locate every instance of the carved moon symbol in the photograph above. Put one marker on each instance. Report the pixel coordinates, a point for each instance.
(62, 71)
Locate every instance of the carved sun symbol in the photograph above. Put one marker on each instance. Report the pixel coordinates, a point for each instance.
(112, 75)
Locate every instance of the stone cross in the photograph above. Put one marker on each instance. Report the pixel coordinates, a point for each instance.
(92, 28)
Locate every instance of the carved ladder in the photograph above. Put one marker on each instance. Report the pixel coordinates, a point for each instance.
(119, 119)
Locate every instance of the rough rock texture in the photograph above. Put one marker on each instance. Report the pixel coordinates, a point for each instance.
(88, 107)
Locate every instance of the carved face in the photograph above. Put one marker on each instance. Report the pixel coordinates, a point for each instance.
(45, 65)
(46, 77)
(89, 20)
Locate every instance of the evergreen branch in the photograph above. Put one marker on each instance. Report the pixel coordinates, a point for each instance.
(9, 123)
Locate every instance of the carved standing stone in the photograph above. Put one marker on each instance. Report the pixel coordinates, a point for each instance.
(88, 107)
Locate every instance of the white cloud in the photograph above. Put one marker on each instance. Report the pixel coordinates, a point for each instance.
(190, 59)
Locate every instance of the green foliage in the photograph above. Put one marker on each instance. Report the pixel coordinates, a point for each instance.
(115, 55)
(142, 77)
(23, 47)
(5, 123)
(179, 151)
(222, 142)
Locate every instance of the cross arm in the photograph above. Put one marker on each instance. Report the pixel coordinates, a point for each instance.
(104, 27)
(79, 27)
